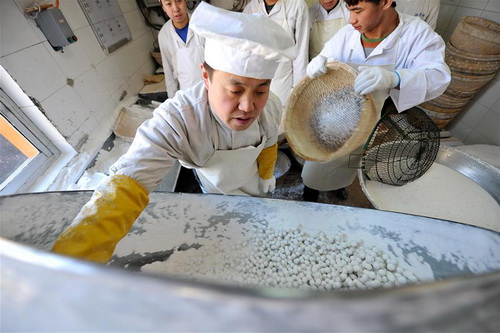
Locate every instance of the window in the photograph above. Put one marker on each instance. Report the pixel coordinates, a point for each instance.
(17, 151)
(25, 151)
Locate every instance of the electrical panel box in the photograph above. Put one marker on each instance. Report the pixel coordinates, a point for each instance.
(108, 23)
(55, 27)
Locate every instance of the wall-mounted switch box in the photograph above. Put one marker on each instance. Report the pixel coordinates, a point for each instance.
(55, 27)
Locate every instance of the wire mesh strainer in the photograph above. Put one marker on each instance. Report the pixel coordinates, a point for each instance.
(325, 118)
(401, 148)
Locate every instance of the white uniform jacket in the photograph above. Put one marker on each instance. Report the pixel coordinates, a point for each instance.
(427, 10)
(318, 13)
(181, 61)
(419, 59)
(416, 52)
(325, 24)
(297, 21)
(185, 128)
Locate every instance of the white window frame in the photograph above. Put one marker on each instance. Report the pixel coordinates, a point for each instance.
(55, 151)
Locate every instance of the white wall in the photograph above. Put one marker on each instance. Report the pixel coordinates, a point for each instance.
(479, 121)
(79, 90)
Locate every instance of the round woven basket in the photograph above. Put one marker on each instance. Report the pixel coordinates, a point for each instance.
(325, 118)
(468, 82)
(458, 93)
(450, 101)
(441, 116)
(476, 35)
(464, 62)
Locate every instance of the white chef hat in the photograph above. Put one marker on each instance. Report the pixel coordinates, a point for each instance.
(249, 45)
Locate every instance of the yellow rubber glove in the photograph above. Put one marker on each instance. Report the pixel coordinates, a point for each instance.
(104, 220)
(266, 160)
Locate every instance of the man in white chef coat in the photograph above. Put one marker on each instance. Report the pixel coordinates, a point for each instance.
(293, 16)
(182, 50)
(397, 56)
(225, 127)
(326, 17)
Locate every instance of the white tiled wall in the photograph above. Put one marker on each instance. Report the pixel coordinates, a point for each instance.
(80, 89)
(479, 121)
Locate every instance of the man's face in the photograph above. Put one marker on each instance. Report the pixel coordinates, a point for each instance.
(176, 10)
(238, 101)
(366, 16)
(328, 4)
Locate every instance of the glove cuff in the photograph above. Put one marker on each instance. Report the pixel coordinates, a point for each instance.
(266, 160)
(399, 79)
(104, 220)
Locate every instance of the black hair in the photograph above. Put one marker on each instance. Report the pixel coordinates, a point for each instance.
(355, 2)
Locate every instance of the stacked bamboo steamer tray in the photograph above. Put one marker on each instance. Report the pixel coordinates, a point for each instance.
(473, 55)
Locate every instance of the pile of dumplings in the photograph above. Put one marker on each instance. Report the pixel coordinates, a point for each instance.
(292, 258)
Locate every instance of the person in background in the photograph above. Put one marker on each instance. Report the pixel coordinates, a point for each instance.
(397, 56)
(225, 128)
(327, 17)
(293, 16)
(181, 49)
(427, 10)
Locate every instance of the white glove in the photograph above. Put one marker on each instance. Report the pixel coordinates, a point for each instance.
(268, 185)
(316, 67)
(371, 79)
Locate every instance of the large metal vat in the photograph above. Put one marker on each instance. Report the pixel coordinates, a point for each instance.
(458, 266)
(486, 175)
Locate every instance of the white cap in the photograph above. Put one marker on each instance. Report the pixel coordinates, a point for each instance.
(249, 45)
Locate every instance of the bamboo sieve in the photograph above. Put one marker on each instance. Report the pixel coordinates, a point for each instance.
(325, 118)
